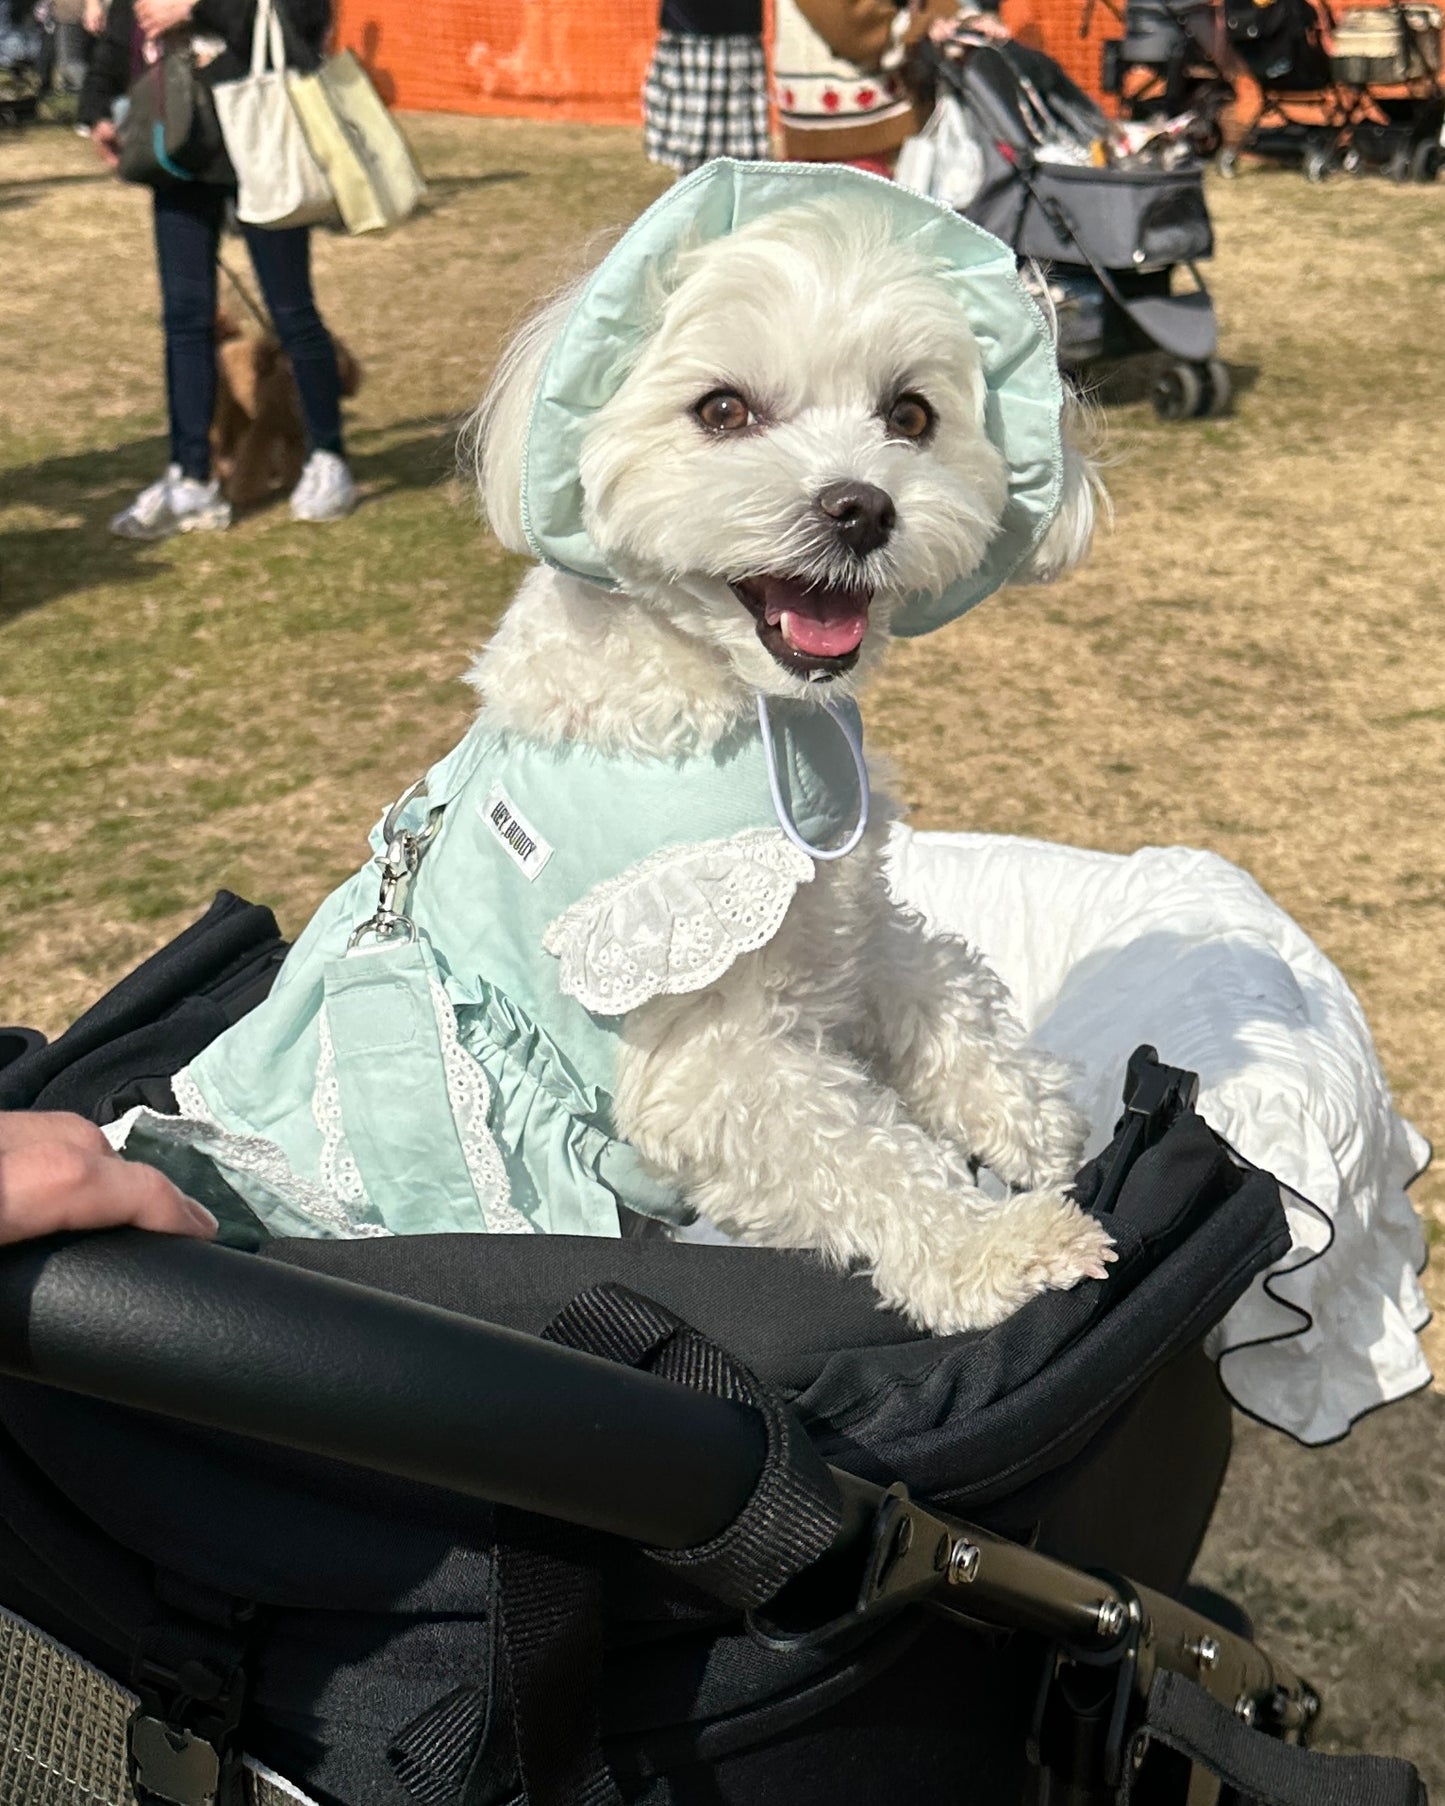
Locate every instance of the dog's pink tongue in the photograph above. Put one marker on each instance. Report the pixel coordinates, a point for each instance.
(823, 623)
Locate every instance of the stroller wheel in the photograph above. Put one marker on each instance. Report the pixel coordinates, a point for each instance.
(1218, 389)
(1227, 163)
(1398, 168)
(1425, 160)
(1352, 162)
(1319, 164)
(1178, 393)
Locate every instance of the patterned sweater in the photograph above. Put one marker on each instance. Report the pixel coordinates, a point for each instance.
(839, 72)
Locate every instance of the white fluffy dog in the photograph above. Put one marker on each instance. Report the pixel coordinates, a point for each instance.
(798, 450)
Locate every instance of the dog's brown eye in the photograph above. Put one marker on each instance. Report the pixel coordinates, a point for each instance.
(723, 411)
(910, 417)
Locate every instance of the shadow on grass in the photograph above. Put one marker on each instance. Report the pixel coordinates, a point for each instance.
(23, 184)
(38, 565)
(25, 191)
(41, 564)
(421, 460)
(442, 185)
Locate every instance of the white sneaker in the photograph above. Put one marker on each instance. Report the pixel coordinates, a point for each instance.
(173, 504)
(327, 490)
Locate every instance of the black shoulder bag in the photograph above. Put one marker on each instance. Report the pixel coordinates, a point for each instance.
(170, 134)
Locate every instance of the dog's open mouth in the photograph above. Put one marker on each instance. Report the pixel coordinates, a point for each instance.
(812, 630)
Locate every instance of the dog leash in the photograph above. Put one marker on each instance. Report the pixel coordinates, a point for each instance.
(253, 306)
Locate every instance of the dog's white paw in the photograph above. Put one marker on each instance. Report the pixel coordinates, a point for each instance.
(1045, 1147)
(1059, 1244)
(992, 1264)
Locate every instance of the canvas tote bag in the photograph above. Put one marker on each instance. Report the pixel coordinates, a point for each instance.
(279, 182)
(357, 143)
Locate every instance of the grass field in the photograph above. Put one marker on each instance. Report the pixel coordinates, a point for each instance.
(1251, 663)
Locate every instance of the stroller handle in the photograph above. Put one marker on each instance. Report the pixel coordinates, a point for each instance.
(228, 1341)
(232, 1342)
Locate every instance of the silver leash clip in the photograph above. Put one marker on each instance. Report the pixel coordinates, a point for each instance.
(399, 865)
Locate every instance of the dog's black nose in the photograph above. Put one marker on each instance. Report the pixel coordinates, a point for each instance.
(863, 515)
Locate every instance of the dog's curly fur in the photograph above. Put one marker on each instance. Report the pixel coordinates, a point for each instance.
(832, 1089)
(258, 438)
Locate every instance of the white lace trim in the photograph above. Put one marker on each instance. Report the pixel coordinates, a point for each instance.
(675, 922)
(260, 1158)
(470, 1097)
(339, 1172)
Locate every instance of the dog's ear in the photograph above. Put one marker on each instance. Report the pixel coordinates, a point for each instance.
(1085, 500)
(494, 439)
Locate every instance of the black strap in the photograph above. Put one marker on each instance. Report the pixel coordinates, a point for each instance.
(794, 1513)
(1183, 1717)
(433, 1755)
(550, 1579)
(550, 1575)
(189, 1671)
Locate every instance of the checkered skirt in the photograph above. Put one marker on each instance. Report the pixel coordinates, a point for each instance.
(705, 97)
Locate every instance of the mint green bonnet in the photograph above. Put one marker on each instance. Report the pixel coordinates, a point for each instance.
(603, 335)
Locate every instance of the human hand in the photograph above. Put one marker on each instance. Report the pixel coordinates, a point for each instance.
(156, 16)
(106, 139)
(94, 17)
(975, 24)
(59, 1172)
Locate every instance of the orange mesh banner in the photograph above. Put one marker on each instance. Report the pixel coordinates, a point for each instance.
(585, 59)
(555, 59)
(1053, 26)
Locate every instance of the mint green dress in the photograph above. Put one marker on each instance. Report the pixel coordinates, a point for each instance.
(463, 1079)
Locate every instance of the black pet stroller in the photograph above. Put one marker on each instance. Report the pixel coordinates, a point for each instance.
(1306, 113)
(725, 1535)
(1108, 239)
(1172, 60)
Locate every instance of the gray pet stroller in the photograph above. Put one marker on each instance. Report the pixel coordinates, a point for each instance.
(1107, 238)
(1172, 59)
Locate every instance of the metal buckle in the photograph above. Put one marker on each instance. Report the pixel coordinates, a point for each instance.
(181, 1739)
(399, 865)
(170, 1765)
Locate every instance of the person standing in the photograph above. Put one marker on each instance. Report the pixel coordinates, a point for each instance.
(189, 217)
(706, 93)
(841, 75)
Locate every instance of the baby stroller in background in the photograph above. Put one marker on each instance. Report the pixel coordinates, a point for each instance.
(24, 62)
(1397, 48)
(1281, 44)
(1171, 60)
(375, 1594)
(1107, 238)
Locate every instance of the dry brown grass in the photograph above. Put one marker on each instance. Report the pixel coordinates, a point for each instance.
(1251, 663)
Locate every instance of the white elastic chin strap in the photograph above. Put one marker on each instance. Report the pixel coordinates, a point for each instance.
(785, 821)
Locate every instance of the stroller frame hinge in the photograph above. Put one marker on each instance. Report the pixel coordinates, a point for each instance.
(1106, 1638)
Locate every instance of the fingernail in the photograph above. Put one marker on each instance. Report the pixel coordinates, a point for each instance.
(202, 1218)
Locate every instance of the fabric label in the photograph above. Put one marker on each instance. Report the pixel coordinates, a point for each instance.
(528, 849)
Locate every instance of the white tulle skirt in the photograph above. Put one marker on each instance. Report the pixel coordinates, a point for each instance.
(1181, 949)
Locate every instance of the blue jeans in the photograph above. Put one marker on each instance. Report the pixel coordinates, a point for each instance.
(188, 234)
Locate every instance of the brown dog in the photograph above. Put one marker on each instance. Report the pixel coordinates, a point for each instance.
(258, 439)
